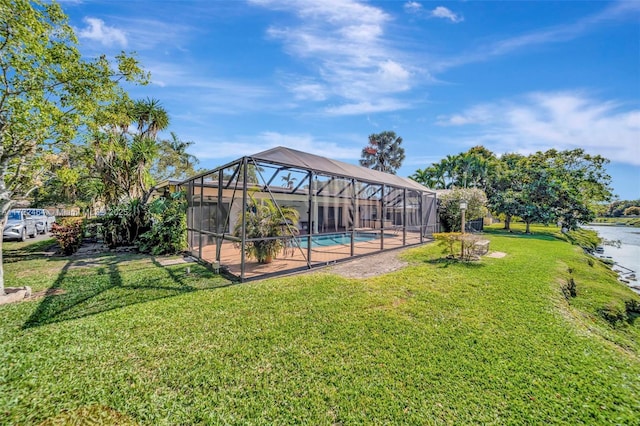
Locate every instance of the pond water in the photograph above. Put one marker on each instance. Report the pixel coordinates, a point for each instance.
(627, 256)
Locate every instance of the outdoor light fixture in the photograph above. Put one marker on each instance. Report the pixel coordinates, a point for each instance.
(463, 208)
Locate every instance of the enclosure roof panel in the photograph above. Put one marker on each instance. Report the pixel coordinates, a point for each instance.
(292, 157)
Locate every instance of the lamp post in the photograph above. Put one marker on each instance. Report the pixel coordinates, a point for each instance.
(463, 208)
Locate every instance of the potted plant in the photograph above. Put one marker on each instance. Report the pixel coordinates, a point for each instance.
(268, 227)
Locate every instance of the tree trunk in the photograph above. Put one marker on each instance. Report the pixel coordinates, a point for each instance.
(1, 264)
(527, 231)
(507, 223)
(5, 205)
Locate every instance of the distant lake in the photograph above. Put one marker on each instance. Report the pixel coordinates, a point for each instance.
(628, 255)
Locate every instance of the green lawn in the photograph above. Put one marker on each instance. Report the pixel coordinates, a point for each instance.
(438, 342)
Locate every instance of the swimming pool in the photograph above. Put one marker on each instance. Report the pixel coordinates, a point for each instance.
(339, 239)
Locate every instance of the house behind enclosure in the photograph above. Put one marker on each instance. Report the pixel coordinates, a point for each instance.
(345, 211)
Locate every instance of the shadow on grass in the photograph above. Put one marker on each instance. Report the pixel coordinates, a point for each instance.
(97, 285)
(19, 251)
(546, 236)
(444, 262)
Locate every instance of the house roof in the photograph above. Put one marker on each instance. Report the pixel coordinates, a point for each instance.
(291, 157)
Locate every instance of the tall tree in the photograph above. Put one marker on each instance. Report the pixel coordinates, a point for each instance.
(439, 171)
(581, 181)
(551, 186)
(538, 190)
(425, 177)
(465, 165)
(383, 152)
(503, 186)
(467, 169)
(174, 161)
(46, 91)
(448, 167)
(124, 157)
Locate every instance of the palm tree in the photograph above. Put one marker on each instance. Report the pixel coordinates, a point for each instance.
(465, 164)
(383, 152)
(422, 176)
(269, 229)
(123, 157)
(150, 117)
(288, 180)
(174, 160)
(448, 166)
(439, 173)
(480, 173)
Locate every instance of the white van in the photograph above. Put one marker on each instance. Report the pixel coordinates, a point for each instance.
(43, 219)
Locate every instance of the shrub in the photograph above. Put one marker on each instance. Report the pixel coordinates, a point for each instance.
(268, 229)
(619, 312)
(469, 246)
(632, 211)
(168, 232)
(614, 312)
(93, 228)
(68, 234)
(124, 223)
(449, 242)
(457, 243)
(449, 207)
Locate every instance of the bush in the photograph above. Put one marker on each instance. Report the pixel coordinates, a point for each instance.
(449, 207)
(168, 231)
(632, 211)
(93, 229)
(124, 223)
(68, 234)
(457, 243)
(619, 312)
(449, 242)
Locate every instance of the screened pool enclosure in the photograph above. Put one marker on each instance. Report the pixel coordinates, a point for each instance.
(284, 210)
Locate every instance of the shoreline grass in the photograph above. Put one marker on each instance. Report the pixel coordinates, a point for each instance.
(134, 342)
(618, 221)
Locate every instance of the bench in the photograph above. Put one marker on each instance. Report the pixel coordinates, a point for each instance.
(481, 247)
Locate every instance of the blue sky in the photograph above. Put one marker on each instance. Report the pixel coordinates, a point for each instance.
(239, 77)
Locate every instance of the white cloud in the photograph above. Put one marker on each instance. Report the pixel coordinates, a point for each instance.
(247, 145)
(380, 105)
(97, 30)
(443, 12)
(561, 120)
(477, 115)
(343, 41)
(393, 73)
(309, 91)
(162, 35)
(413, 7)
(554, 34)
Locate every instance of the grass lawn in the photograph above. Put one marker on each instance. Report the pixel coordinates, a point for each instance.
(129, 341)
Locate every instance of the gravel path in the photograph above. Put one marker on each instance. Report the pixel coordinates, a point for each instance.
(369, 266)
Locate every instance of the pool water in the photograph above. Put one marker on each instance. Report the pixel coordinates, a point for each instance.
(338, 239)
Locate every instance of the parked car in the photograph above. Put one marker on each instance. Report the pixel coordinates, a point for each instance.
(18, 225)
(43, 219)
